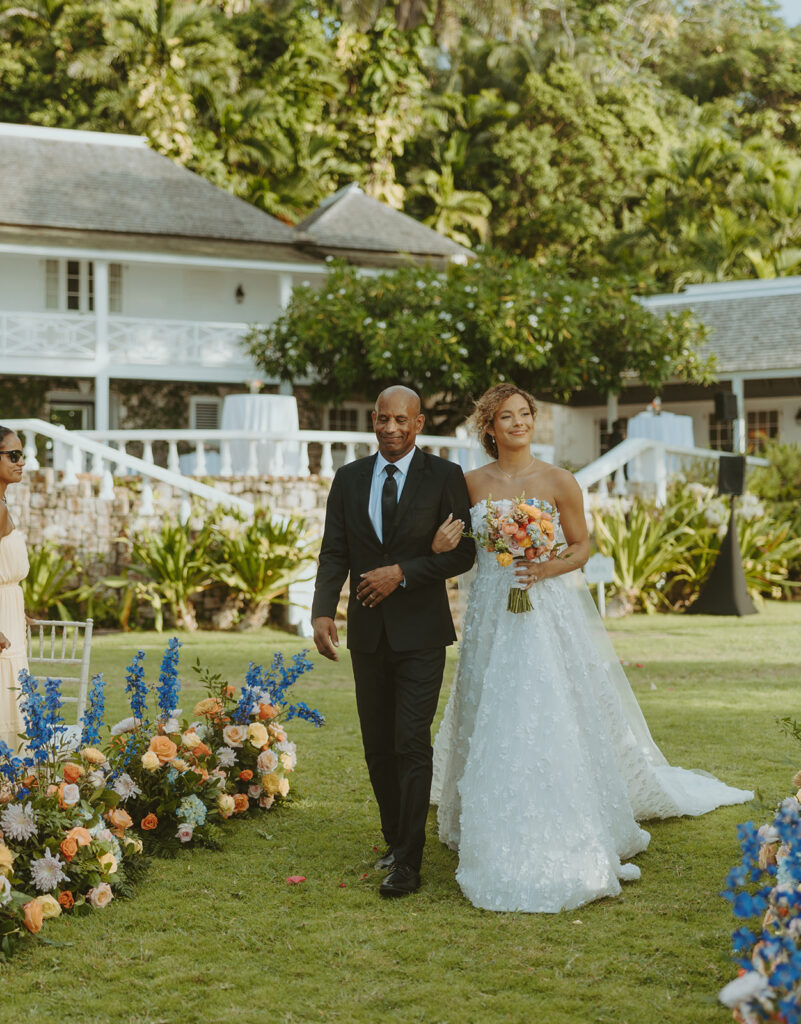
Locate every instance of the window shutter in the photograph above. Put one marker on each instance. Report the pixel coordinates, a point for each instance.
(206, 414)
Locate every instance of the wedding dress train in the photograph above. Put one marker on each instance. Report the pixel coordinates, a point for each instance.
(544, 763)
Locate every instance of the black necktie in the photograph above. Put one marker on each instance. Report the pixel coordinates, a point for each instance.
(389, 502)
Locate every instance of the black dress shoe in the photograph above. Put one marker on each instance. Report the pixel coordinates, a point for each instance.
(401, 881)
(387, 862)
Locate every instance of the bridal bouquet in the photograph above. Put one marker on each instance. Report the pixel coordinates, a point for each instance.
(525, 531)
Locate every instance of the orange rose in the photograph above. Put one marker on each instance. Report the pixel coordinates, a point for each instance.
(119, 820)
(164, 748)
(33, 916)
(241, 802)
(210, 707)
(72, 772)
(66, 899)
(246, 775)
(80, 835)
(201, 750)
(230, 691)
(69, 847)
(30, 782)
(150, 821)
(267, 711)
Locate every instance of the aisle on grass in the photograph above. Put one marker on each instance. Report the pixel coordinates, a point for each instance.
(77, 823)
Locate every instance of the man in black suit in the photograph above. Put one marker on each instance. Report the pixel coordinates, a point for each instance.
(381, 518)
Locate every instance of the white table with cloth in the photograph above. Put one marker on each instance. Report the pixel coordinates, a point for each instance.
(668, 427)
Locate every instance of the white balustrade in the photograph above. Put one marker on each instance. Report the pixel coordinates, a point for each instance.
(200, 459)
(327, 461)
(225, 459)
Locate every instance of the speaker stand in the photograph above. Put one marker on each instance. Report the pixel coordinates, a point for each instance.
(725, 592)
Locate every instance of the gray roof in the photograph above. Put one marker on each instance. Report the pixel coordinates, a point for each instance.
(755, 326)
(92, 181)
(350, 220)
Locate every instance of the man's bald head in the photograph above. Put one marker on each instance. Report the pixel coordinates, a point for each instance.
(397, 420)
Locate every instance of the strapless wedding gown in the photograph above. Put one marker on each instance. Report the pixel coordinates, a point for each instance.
(13, 569)
(544, 763)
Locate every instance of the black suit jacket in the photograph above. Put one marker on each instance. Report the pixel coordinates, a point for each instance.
(415, 616)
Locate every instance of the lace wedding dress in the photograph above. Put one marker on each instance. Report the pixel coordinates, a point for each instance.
(13, 569)
(544, 763)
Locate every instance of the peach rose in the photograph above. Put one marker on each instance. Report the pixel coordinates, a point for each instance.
(276, 732)
(66, 899)
(6, 859)
(266, 802)
(69, 847)
(93, 755)
(50, 906)
(150, 760)
(52, 789)
(246, 775)
(72, 772)
(267, 711)
(257, 734)
(235, 735)
(210, 707)
(108, 862)
(34, 916)
(149, 822)
(283, 786)
(270, 783)
(225, 805)
(230, 691)
(80, 835)
(201, 750)
(241, 802)
(267, 761)
(100, 896)
(119, 819)
(164, 748)
(190, 739)
(179, 764)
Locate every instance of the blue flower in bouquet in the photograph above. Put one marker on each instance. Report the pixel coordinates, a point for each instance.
(249, 698)
(53, 705)
(302, 710)
(10, 765)
(34, 713)
(172, 775)
(169, 686)
(92, 720)
(191, 810)
(136, 687)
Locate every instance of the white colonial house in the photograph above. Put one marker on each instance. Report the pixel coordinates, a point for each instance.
(127, 283)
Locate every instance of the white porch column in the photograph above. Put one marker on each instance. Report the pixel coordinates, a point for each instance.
(101, 344)
(611, 410)
(285, 294)
(738, 427)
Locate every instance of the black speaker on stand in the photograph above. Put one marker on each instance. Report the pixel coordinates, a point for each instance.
(725, 592)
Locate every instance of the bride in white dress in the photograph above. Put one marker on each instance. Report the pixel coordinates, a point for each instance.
(544, 763)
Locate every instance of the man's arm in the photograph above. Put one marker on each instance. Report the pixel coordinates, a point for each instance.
(424, 569)
(332, 571)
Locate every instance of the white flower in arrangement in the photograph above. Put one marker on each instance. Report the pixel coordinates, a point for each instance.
(97, 778)
(254, 792)
(267, 761)
(185, 831)
(769, 834)
(751, 508)
(699, 491)
(47, 872)
(201, 728)
(171, 725)
(126, 725)
(226, 757)
(5, 889)
(18, 822)
(715, 514)
(125, 787)
(286, 747)
(751, 985)
(100, 896)
(70, 795)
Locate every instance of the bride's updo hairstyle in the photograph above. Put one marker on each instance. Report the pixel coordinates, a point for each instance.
(488, 405)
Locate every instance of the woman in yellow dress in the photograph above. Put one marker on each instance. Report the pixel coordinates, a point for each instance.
(13, 569)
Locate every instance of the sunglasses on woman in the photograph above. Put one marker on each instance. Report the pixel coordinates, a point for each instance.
(14, 455)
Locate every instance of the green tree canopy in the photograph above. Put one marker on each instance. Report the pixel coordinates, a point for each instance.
(452, 335)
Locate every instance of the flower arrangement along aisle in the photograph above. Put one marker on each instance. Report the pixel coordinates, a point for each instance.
(246, 731)
(766, 886)
(65, 844)
(163, 772)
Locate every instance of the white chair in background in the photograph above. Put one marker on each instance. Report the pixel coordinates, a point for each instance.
(56, 644)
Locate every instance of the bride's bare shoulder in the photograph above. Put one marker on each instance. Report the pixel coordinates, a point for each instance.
(477, 482)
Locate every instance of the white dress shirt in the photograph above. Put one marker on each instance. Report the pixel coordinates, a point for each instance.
(377, 485)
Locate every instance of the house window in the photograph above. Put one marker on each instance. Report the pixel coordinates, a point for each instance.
(73, 415)
(115, 287)
(204, 412)
(351, 416)
(52, 284)
(70, 285)
(762, 425)
(721, 435)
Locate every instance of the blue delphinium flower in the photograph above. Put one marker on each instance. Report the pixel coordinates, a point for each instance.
(249, 697)
(92, 720)
(302, 710)
(169, 687)
(34, 713)
(136, 687)
(10, 765)
(53, 706)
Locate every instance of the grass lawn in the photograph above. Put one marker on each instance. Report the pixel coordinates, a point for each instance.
(220, 936)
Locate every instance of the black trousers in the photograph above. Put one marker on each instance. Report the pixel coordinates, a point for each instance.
(396, 695)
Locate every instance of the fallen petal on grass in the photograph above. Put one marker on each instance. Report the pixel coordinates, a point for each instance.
(295, 879)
